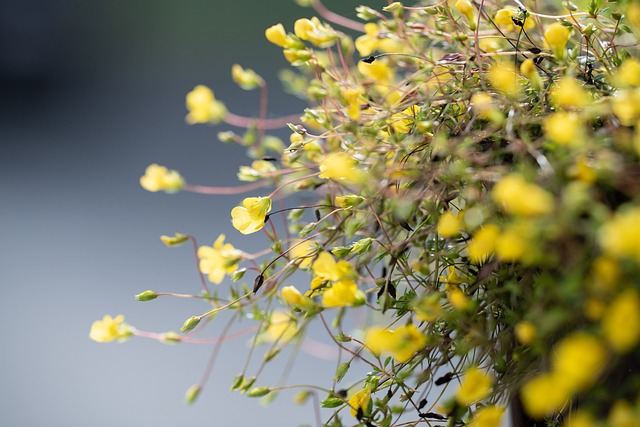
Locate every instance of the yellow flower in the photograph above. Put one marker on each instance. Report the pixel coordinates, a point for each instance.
(175, 240)
(578, 359)
(352, 97)
(621, 321)
(465, 8)
(276, 35)
(340, 167)
(569, 93)
(488, 416)
(428, 308)
(544, 395)
(403, 343)
(247, 79)
(528, 69)
(378, 71)
(291, 295)
(626, 106)
(359, 402)
(504, 19)
(579, 418)
(314, 31)
(282, 327)
(556, 37)
(110, 329)
(327, 268)
(490, 44)
(458, 299)
(628, 75)
(368, 42)
(449, 225)
(504, 77)
(203, 106)
(218, 260)
(342, 293)
(564, 129)
(620, 235)
(483, 105)
(159, 178)
(511, 245)
(520, 198)
(303, 251)
(525, 332)
(251, 216)
(623, 415)
(476, 385)
(483, 243)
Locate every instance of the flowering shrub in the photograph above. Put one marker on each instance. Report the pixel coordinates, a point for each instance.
(475, 167)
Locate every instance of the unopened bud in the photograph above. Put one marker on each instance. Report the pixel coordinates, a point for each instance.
(190, 323)
(146, 296)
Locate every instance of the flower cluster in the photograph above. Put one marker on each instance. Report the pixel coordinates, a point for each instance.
(467, 215)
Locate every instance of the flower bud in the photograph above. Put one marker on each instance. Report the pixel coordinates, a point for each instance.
(146, 296)
(192, 393)
(190, 323)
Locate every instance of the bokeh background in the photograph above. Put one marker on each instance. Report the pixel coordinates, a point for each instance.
(91, 92)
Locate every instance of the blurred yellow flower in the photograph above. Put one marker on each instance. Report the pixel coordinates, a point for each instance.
(487, 416)
(218, 260)
(175, 240)
(620, 235)
(449, 225)
(475, 386)
(327, 268)
(567, 93)
(251, 216)
(578, 359)
(564, 129)
(110, 329)
(303, 251)
(203, 107)
(159, 178)
(359, 402)
(458, 299)
(402, 344)
(429, 309)
(544, 395)
(623, 414)
(525, 332)
(521, 198)
(483, 243)
(556, 37)
(579, 418)
(466, 9)
(504, 77)
(281, 327)
(291, 295)
(628, 74)
(247, 79)
(626, 106)
(340, 167)
(505, 16)
(621, 321)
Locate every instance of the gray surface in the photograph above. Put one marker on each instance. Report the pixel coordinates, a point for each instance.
(91, 93)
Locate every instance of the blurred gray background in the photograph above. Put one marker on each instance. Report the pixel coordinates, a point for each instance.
(91, 92)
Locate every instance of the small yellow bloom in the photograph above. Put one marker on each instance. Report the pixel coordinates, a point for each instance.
(578, 359)
(521, 198)
(487, 416)
(564, 129)
(218, 260)
(465, 8)
(359, 402)
(626, 106)
(327, 268)
(251, 216)
(314, 31)
(483, 243)
(628, 75)
(378, 340)
(340, 167)
(303, 251)
(342, 293)
(504, 77)
(490, 44)
(483, 105)
(528, 70)
(569, 93)
(449, 225)
(458, 299)
(378, 71)
(544, 395)
(276, 35)
(110, 329)
(620, 235)
(175, 240)
(556, 37)
(291, 295)
(352, 97)
(525, 332)
(579, 418)
(159, 178)
(504, 19)
(623, 414)
(247, 79)
(402, 344)
(475, 386)
(512, 245)
(368, 43)
(429, 309)
(203, 106)
(282, 327)
(621, 321)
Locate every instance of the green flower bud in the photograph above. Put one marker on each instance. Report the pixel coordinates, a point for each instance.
(190, 323)
(192, 393)
(259, 391)
(171, 338)
(146, 296)
(362, 246)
